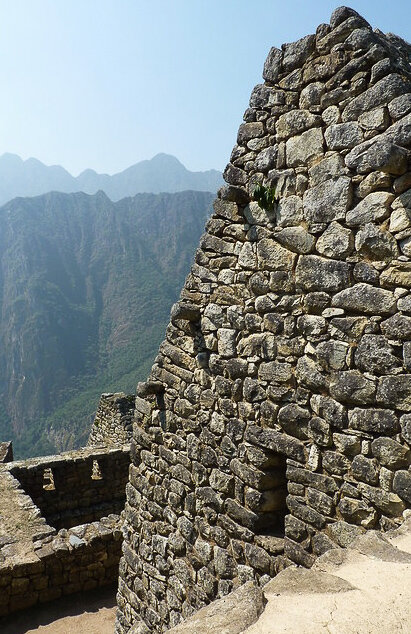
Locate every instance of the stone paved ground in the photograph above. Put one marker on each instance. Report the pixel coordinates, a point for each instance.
(380, 602)
(365, 589)
(91, 613)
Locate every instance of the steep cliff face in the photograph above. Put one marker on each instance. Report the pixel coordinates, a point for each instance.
(280, 402)
(85, 289)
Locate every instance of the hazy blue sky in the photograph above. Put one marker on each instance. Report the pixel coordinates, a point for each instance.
(106, 83)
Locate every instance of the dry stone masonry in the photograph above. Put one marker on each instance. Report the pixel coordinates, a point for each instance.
(113, 422)
(60, 526)
(276, 420)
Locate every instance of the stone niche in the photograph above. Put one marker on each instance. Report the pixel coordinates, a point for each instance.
(276, 420)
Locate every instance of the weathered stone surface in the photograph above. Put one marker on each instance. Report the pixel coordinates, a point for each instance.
(373, 208)
(400, 106)
(357, 511)
(184, 310)
(304, 512)
(375, 244)
(324, 66)
(390, 453)
(234, 175)
(294, 420)
(335, 463)
(352, 387)
(341, 136)
(249, 131)
(310, 95)
(375, 545)
(332, 355)
(405, 422)
(365, 469)
(397, 327)
(329, 409)
(400, 219)
(300, 580)
(374, 354)
(372, 420)
(329, 168)
(266, 159)
(276, 441)
(348, 444)
(380, 94)
(402, 485)
(365, 299)
(304, 148)
(328, 201)
(377, 119)
(272, 65)
(389, 503)
(395, 391)
(374, 181)
(232, 614)
(289, 211)
(296, 239)
(397, 274)
(315, 273)
(296, 53)
(309, 374)
(336, 242)
(381, 154)
(295, 122)
(273, 256)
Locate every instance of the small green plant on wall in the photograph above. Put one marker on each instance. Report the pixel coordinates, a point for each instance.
(265, 197)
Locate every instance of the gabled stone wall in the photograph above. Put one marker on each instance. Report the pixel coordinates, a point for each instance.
(113, 422)
(276, 421)
(6, 451)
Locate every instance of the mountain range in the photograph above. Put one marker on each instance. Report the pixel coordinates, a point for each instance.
(86, 286)
(163, 173)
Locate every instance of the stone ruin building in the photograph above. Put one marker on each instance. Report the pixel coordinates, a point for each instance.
(276, 420)
(60, 524)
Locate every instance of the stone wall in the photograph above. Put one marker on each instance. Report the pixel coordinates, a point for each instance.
(276, 421)
(77, 560)
(6, 451)
(75, 489)
(113, 422)
(60, 527)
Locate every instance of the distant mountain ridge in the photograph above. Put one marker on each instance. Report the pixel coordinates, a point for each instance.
(162, 173)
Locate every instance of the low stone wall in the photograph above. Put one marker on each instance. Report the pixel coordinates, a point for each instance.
(113, 423)
(47, 549)
(79, 559)
(75, 487)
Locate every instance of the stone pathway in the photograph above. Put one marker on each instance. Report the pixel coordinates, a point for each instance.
(364, 589)
(90, 613)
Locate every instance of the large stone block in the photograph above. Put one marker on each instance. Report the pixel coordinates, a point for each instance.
(328, 201)
(314, 273)
(304, 148)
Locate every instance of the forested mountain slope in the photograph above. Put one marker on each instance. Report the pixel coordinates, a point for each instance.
(86, 287)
